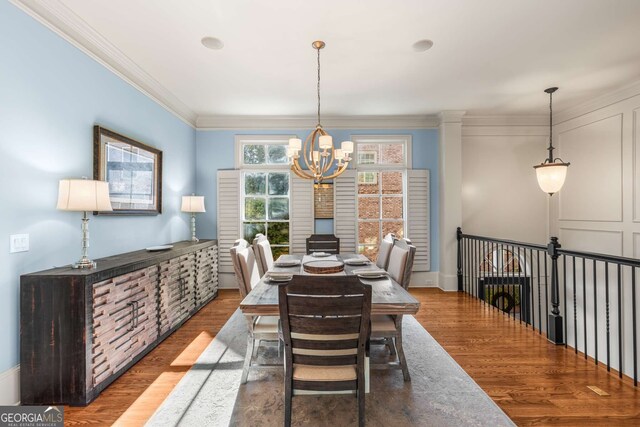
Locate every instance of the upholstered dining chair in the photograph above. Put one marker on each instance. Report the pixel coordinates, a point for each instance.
(387, 327)
(382, 260)
(261, 328)
(323, 243)
(262, 250)
(325, 325)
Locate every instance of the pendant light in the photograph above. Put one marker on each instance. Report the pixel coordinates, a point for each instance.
(552, 172)
(321, 160)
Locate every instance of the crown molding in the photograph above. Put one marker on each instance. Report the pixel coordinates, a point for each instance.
(617, 95)
(506, 120)
(306, 122)
(451, 116)
(61, 20)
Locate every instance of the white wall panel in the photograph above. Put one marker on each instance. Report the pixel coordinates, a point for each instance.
(636, 165)
(593, 190)
(588, 240)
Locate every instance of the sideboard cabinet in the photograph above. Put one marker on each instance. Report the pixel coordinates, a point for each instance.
(82, 329)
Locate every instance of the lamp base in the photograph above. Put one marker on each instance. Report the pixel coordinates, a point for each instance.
(84, 263)
(195, 239)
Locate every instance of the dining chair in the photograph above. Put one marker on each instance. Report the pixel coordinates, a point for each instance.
(262, 250)
(261, 328)
(323, 243)
(325, 326)
(389, 327)
(382, 260)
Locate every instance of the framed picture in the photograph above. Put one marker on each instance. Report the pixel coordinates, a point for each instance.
(133, 171)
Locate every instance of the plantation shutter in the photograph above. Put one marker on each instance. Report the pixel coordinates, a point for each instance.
(418, 220)
(301, 213)
(346, 214)
(228, 208)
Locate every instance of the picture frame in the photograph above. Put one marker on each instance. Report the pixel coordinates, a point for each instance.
(133, 171)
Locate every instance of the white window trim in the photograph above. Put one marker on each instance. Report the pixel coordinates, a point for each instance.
(405, 140)
(259, 140)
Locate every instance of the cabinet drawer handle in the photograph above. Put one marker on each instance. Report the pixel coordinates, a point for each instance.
(132, 321)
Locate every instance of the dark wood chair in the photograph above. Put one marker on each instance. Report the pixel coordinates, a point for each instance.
(325, 326)
(323, 243)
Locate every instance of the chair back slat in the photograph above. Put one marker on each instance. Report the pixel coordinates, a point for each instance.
(342, 344)
(323, 306)
(323, 243)
(318, 360)
(327, 286)
(324, 325)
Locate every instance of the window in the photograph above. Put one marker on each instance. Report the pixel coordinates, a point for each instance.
(265, 189)
(381, 166)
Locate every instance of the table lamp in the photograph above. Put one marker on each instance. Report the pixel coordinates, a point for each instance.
(193, 204)
(82, 195)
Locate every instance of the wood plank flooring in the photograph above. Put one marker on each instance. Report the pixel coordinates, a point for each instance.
(534, 382)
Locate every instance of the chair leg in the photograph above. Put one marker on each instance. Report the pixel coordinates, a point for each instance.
(391, 345)
(361, 394)
(401, 359)
(288, 393)
(247, 359)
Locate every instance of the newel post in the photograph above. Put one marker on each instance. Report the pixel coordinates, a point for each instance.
(555, 319)
(459, 237)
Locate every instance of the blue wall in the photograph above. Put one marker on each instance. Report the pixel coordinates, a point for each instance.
(215, 150)
(51, 95)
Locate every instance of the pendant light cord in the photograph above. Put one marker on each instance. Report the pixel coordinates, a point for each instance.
(550, 127)
(318, 87)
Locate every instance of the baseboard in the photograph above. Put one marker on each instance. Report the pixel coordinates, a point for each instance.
(424, 279)
(227, 281)
(10, 386)
(448, 282)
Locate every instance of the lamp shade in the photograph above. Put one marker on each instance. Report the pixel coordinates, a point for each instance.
(551, 176)
(83, 195)
(193, 204)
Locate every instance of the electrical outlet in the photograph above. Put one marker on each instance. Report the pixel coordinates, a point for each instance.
(18, 243)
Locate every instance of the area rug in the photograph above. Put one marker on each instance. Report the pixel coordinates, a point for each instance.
(440, 392)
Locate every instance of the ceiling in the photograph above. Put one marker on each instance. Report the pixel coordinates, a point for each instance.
(489, 57)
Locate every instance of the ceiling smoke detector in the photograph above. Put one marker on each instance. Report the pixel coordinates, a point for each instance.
(212, 43)
(422, 45)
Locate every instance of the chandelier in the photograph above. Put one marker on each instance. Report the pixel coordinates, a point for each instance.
(321, 160)
(552, 172)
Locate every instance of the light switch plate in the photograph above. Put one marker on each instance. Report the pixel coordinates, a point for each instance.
(18, 243)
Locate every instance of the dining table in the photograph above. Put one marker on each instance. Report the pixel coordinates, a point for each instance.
(387, 296)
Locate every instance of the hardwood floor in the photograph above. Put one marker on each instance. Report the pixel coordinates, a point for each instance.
(533, 381)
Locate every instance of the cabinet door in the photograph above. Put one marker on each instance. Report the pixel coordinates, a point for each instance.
(124, 321)
(176, 290)
(206, 274)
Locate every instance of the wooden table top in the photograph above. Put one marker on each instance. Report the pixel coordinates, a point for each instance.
(387, 296)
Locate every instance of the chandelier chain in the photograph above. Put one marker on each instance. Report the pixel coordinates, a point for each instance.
(550, 127)
(318, 87)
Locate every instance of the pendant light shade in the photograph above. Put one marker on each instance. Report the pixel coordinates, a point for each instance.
(552, 172)
(551, 176)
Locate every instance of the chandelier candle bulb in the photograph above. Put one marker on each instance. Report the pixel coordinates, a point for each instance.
(347, 147)
(326, 142)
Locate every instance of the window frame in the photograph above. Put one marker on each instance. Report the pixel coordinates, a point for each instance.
(241, 140)
(266, 168)
(406, 141)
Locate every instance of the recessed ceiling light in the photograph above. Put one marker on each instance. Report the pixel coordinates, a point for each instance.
(212, 43)
(422, 45)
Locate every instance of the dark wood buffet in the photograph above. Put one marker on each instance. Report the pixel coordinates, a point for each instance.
(81, 329)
